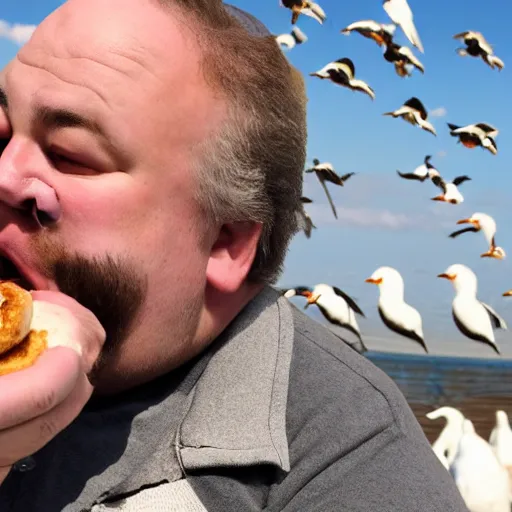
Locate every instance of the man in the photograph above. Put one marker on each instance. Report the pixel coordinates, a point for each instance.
(151, 170)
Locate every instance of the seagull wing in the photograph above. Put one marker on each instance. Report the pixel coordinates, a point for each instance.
(286, 40)
(411, 176)
(460, 179)
(330, 175)
(347, 67)
(472, 229)
(345, 177)
(401, 14)
(369, 25)
(496, 319)
(349, 300)
(416, 104)
(489, 129)
(439, 182)
(407, 53)
(359, 85)
(329, 198)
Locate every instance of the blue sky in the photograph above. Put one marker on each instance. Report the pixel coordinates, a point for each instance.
(385, 220)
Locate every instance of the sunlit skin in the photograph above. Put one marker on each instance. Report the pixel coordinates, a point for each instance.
(129, 192)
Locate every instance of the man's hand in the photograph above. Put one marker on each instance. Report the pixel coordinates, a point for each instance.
(39, 402)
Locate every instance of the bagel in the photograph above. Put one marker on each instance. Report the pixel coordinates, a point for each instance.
(20, 346)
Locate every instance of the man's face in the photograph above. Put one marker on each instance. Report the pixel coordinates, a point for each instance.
(104, 105)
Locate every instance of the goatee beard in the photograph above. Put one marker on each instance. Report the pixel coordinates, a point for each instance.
(112, 288)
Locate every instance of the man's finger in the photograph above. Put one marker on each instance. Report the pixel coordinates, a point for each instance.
(26, 439)
(34, 391)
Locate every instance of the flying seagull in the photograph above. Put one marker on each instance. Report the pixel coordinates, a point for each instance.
(325, 172)
(451, 193)
(306, 8)
(421, 173)
(473, 135)
(380, 33)
(486, 224)
(342, 72)
(294, 38)
(403, 59)
(304, 221)
(477, 46)
(401, 14)
(414, 113)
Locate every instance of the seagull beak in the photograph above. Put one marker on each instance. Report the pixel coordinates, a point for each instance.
(465, 221)
(450, 277)
(374, 281)
(508, 294)
(311, 299)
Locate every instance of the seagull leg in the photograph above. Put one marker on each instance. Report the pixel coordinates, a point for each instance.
(296, 11)
(438, 198)
(329, 198)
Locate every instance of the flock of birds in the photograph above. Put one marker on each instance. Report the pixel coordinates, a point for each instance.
(482, 469)
(475, 319)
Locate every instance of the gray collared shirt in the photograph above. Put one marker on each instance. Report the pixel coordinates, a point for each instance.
(278, 414)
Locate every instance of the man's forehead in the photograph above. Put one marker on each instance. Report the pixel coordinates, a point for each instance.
(135, 29)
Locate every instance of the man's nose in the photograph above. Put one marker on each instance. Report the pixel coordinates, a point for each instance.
(23, 185)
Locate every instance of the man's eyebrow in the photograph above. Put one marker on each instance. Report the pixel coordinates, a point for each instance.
(3, 99)
(63, 118)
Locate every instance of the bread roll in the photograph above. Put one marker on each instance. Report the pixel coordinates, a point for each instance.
(20, 345)
(15, 315)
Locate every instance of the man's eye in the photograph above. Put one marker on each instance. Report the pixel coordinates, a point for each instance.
(59, 159)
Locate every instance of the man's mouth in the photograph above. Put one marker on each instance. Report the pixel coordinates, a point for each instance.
(10, 272)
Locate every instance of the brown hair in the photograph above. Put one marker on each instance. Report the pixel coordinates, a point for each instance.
(250, 170)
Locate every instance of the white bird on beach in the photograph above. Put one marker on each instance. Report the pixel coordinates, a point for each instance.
(304, 221)
(477, 46)
(414, 113)
(294, 38)
(446, 445)
(403, 58)
(325, 172)
(335, 305)
(451, 193)
(382, 34)
(481, 479)
(401, 14)
(501, 442)
(342, 72)
(421, 173)
(486, 224)
(305, 7)
(474, 318)
(396, 314)
(473, 135)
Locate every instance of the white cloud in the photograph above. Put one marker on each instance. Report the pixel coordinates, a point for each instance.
(438, 112)
(363, 217)
(17, 33)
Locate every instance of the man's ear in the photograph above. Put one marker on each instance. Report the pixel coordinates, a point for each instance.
(232, 255)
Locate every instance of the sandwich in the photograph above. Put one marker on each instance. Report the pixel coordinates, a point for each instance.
(20, 343)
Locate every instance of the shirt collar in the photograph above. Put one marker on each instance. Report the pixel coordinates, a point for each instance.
(237, 412)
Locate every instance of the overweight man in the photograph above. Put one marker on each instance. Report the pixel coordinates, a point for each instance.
(151, 168)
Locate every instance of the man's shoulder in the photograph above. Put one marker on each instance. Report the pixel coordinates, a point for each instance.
(334, 373)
